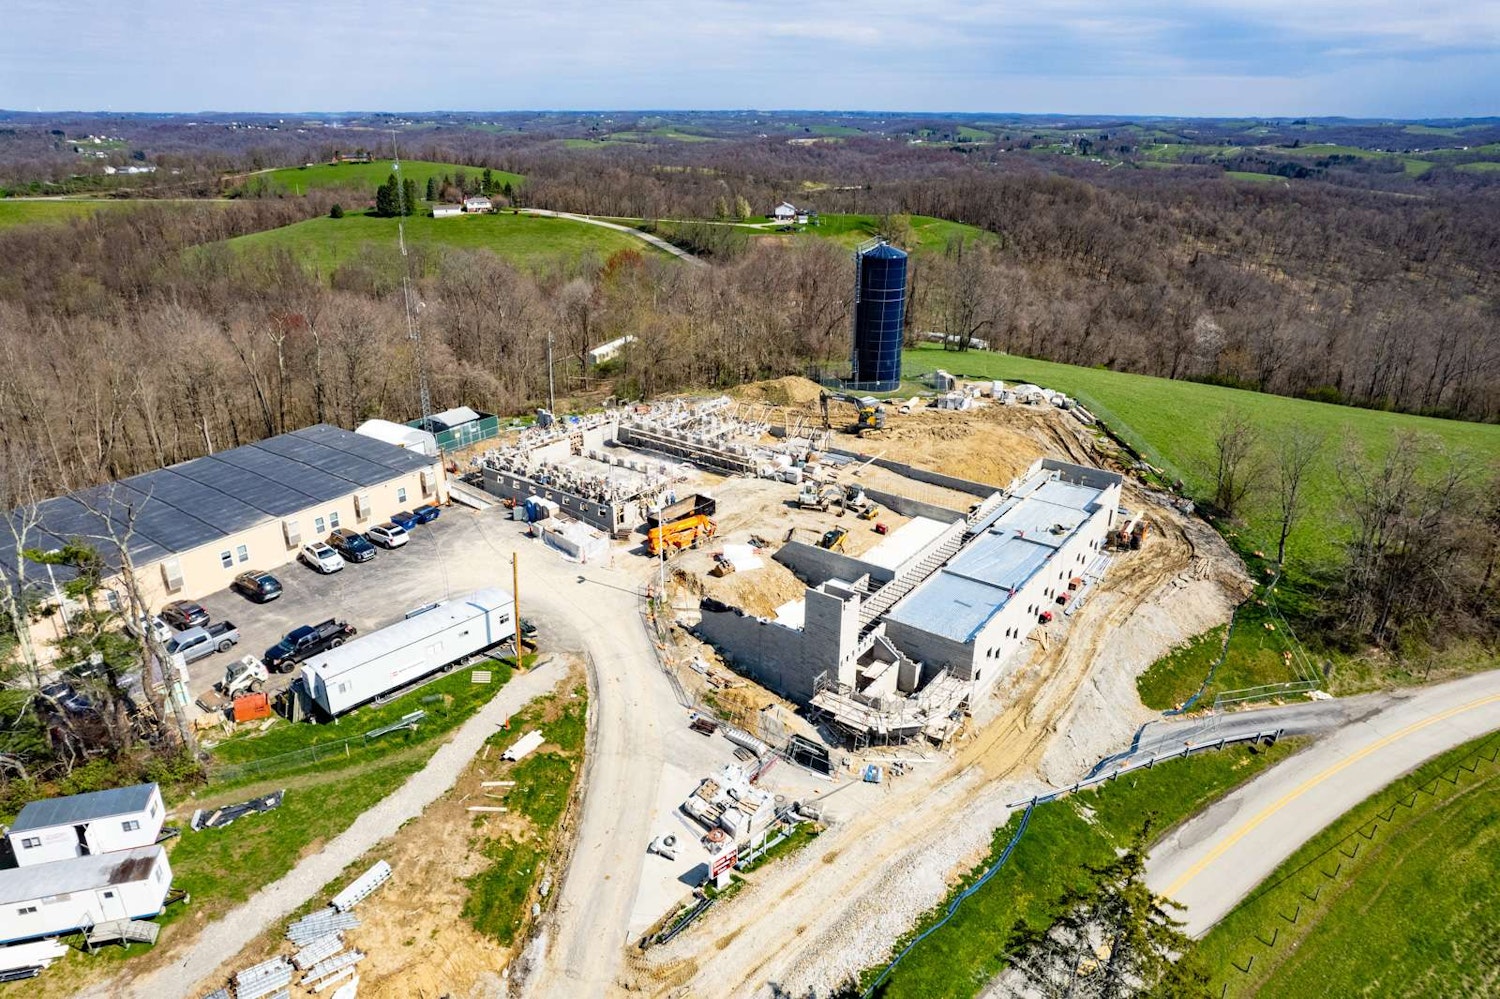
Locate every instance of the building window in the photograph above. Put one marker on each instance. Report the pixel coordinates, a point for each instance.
(130, 825)
(31, 842)
(26, 910)
(242, 553)
(401, 494)
(153, 809)
(333, 519)
(226, 560)
(319, 526)
(109, 894)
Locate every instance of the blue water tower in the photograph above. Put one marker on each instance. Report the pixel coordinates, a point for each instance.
(879, 317)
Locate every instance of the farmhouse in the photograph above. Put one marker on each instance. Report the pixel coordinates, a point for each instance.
(447, 211)
(68, 895)
(185, 531)
(477, 203)
(784, 212)
(80, 825)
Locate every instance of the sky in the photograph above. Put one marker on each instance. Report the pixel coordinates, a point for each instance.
(1359, 58)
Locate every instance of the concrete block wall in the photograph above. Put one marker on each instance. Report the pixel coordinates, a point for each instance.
(775, 656)
(815, 566)
(979, 489)
(908, 507)
(934, 652)
(607, 517)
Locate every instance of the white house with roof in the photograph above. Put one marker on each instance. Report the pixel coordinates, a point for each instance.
(478, 203)
(80, 825)
(784, 212)
(64, 896)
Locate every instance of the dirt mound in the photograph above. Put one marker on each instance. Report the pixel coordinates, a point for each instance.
(793, 390)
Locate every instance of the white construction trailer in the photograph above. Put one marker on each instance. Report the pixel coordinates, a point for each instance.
(80, 825)
(46, 900)
(346, 677)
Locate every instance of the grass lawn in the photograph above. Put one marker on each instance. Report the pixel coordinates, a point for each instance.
(323, 243)
(1173, 424)
(1259, 178)
(300, 180)
(14, 212)
(1484, 167)
(1414, 911)
(501, 894)
(1063, 836)
(930, 235)
(1254, 659)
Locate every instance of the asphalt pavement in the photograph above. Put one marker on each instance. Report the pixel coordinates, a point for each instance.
(1215, 859)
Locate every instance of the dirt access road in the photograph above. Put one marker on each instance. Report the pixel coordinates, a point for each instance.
(1217, 858)
(806, 923)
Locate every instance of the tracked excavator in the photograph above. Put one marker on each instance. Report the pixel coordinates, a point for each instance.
(869, 412)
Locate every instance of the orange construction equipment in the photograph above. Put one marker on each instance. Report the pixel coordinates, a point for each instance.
(688, 532)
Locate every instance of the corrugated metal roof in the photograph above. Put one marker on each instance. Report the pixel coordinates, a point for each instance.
(198, 502)
(24, 884)
(83, 807)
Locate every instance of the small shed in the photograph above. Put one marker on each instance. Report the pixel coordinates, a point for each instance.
(48, 900)
(411, 438)
(56, 829)
(609, 351)
(459, 427)
(446, 211)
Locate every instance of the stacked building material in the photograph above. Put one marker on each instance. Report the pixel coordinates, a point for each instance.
(264, 979)
(319, 924)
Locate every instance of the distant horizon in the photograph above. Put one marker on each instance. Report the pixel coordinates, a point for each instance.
(410, 112)
(1357, 59)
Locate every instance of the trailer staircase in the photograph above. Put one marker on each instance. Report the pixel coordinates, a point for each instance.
(122, 931)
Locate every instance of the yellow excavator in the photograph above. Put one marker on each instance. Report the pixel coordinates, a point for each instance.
(869, 413)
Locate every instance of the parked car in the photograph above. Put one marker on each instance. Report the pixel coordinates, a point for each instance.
(426, 513)
(154, 627)
(195, 643)
(305, 642)
(261, 587)
(182, 614)
(388, 535)
(351, 545)
(65, 697)
(321, 557)
(404, 519)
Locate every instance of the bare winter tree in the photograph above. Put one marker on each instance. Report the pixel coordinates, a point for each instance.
(1236, 462)
(1297, 451)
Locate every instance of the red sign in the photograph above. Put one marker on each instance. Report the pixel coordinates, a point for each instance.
(724, 862)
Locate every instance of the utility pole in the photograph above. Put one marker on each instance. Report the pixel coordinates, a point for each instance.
(515, 590)
(551, 393)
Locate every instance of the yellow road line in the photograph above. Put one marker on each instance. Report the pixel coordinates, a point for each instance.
(1228, 843)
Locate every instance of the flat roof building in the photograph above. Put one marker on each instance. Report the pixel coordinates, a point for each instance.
(188, 529)
(79, 825)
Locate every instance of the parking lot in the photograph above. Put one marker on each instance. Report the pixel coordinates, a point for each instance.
(449, 555)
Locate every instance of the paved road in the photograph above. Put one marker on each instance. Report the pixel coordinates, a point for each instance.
(655, 241)
(1217, 858)
(226, 937)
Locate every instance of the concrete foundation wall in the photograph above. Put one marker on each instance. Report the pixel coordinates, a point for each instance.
(607, 517)
(908, 507)
(815, 566)
(978, 489)
(933, 651)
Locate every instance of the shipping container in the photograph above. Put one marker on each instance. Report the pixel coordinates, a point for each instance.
(385, 660)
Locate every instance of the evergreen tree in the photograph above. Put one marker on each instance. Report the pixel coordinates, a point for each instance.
(336, 212)
(409, 200)
(486, 182)
(385, 198)
(1115, 940)
(432, 191)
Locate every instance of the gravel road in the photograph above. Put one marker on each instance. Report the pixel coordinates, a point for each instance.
(1215, 859)
(227, 936)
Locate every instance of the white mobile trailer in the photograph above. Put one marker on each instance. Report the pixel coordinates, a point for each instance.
(48, 900)
(377, 663)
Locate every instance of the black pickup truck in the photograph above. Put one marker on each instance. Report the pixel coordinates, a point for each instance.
(306, 642)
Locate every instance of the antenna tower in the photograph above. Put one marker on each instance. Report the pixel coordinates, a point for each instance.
(413, 322)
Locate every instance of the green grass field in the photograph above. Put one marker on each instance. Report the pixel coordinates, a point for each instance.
(1259, 178)
(14, 212)
(1173, 423)
(1484, 167)
(1064, 836)
(1410, 909)
(300, 180)
(324, 243)
(930, 235)
(501, 893)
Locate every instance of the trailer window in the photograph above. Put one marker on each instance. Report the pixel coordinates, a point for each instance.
(242, 553)
(318, 527)
(130, 825)
(31, 842)
(226, 559)
(333, 519)
(26, 910)
(401, 494)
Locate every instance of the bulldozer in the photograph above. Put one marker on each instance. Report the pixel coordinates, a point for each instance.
(869, 413)
(834, 539)
(689, 532)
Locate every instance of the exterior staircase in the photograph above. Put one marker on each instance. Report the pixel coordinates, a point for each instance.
(886, 597)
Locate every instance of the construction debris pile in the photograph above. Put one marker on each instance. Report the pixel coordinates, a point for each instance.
(729, 806)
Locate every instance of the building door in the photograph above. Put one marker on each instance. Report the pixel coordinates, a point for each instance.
(112, 904)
